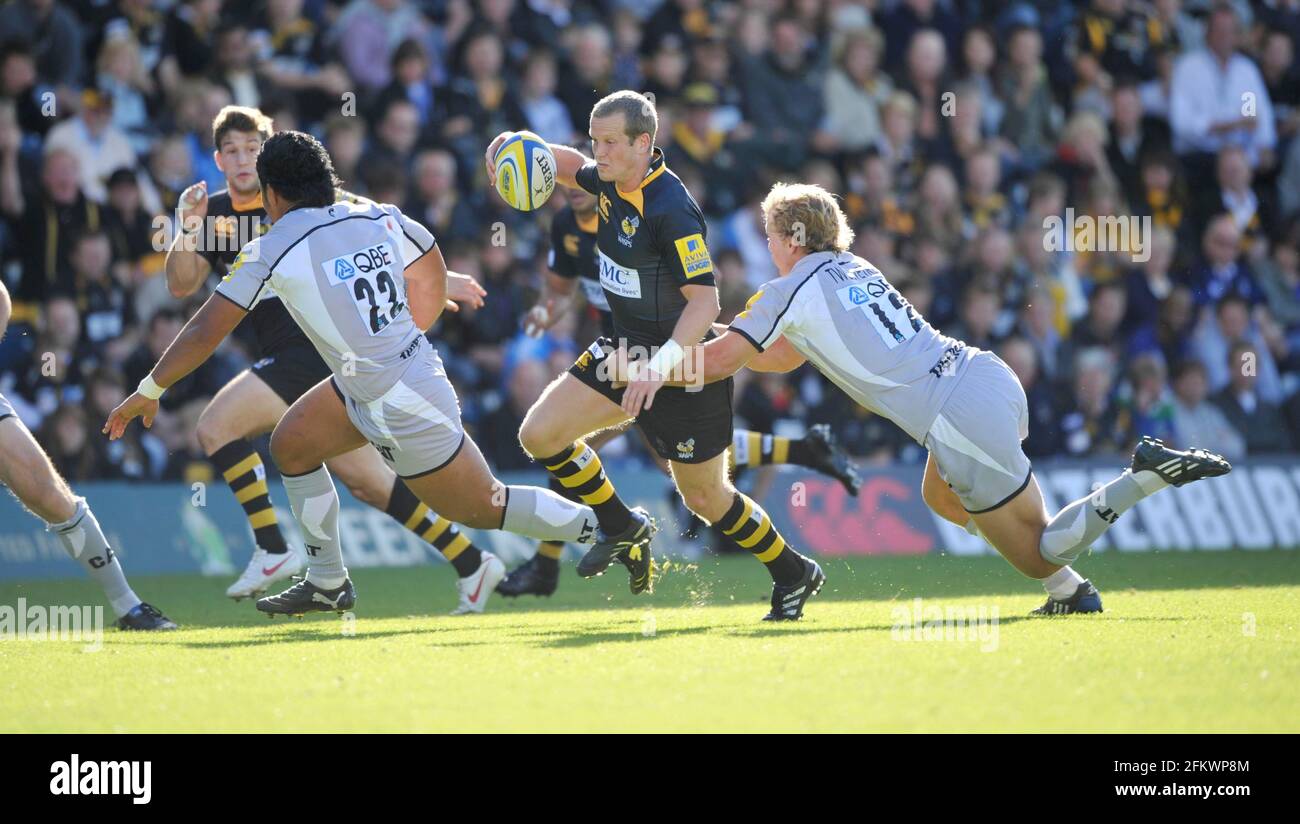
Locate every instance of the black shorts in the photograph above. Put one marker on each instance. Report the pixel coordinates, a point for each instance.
(684, 425)
(290, 372)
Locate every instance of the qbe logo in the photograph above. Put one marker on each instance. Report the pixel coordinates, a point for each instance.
(77, 777)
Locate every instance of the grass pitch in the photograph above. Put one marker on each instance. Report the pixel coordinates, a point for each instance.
(1189, 641)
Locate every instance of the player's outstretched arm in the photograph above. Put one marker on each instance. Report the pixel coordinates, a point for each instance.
(702, 308)
(709, 362)
(780, 356)
(426, 288)
(216, 319)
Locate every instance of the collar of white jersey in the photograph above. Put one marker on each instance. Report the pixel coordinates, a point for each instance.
(811, 262)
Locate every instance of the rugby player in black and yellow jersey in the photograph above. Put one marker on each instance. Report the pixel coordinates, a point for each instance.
(213, 230)
(574, 266)
(658, 277)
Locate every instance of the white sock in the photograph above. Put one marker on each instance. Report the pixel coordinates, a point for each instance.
(315, 503)
(84, 540)
(1062, 584)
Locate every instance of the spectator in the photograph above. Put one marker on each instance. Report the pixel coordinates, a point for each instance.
(1279, 280)
(189, 42)
(1102, 326)
(123, 79)
(1229, 324)
(1259, 420)
(1030, 122)
(1170, 332)
(19, 85)
(437, 201)
(293, 56)
(1221, 271)
(101, 148)
(1134, 135)
(1146, 406)
(1044, 411)
(367, 32)
(545, 114)
(1235, 195)
(782, 95)
(852, 93)
(45, 221)
(1196, 420)
(1091, 425)
(589, 76)
(979, 316)
(1205, 123)
(199, 385)
(903, 21)
(55, 38)
(1149, 283)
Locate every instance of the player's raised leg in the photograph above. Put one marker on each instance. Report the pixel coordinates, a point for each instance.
(975, 446)
(372, 482)
(708, 493)
(27, 471)
(540, 574)
(551, 433)
(244, 408)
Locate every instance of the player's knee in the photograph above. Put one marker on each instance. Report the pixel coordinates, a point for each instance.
(210, 432)
(535, 439)
(709, 503)
(289, 451)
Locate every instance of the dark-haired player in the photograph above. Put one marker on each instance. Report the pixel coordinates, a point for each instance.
(215, 228)
(365, 283)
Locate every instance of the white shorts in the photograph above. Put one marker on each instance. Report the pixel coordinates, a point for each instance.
(415, 425)
(975, 441)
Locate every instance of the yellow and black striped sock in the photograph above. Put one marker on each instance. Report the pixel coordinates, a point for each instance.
(549, 552)
(751, 449)
(750, 527)
(242, 468)
(578, 469)
(411, 513)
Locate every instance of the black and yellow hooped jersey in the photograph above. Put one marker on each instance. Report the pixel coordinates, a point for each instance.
(650, 242)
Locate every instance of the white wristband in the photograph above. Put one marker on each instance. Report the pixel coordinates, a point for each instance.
(667, 358)
(149, 388)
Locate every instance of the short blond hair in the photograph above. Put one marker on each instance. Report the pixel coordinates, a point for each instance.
(639, 115)
(790, 206)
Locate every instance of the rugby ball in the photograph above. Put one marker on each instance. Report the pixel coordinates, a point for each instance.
(525, 168)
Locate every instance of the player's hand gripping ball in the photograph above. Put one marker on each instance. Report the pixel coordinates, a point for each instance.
(525, 171)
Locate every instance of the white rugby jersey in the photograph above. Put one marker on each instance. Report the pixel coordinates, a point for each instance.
(340, 271)
(841, 313)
